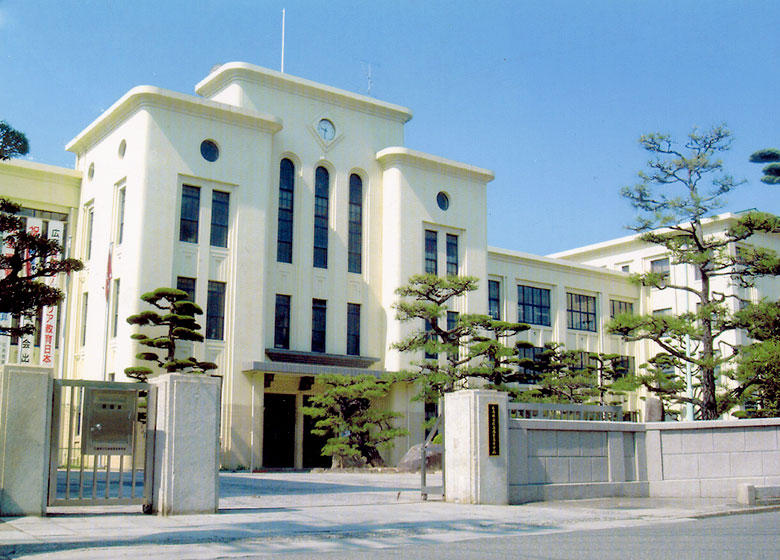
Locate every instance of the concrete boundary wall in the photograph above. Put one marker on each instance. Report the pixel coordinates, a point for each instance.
(560, 459)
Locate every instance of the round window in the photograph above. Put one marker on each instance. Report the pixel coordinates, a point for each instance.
(209, 150)
(122, 149)
(443, 200)
(91, 171)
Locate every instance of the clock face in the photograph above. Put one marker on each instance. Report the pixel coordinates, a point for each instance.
(326, 130)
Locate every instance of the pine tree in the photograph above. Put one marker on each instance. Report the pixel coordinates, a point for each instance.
(680, 189)
(177, 317)
(771, 171)
(345, 412)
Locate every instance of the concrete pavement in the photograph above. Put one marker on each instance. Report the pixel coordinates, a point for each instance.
(269, 514)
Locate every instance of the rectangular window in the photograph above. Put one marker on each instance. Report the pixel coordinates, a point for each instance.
(318, 314)
(321, 195)
(452, 255)
(617, 307)
(353, 329)
(90, 227)
(527, 373)
(190, 211)
(120, 217)
(581, 312)
(533, 305)
(660, 266)
(624, 365)
(452, 321)
(284, 239)
(84, 308)
(220, 216)
(431, 252)
(215, 311)
(430, 336)
(115, 310)
(186, 285)
(355, 224)
(282, 322)
(494, 299)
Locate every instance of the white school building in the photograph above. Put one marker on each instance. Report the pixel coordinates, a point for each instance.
(291, 211)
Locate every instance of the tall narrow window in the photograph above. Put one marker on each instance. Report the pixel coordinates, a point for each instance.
(186, 285)
(431, 252)
(452, 255)
(533, 305)
(120, 215)
(353, 329)
(318, 313)
(494, 299)
(84, 308)
(190, 210)
(282, 322)
(430, 335)
(284, 234)
(90, 227)
(220, 212)
(581, 312)
(215, 311)
(452, 322)
(321, 194)
(115, 310)
(355, 223)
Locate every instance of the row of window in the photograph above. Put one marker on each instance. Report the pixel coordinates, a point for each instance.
(534, 307)
(432, 253)
(190, 216)
(623, 365)
(319, 308)
(284, 242)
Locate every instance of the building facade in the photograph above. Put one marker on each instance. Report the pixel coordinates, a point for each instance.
(291, 211)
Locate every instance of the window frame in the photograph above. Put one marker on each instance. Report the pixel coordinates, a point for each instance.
(282, 310)
(218, 236)
(355, 225)
(539, 311)
(189, 226)
(494, 299)
(215, 310)
(353, 329)
(579, 319)
(431, 252)
(452, 255)
(319, 325)
(286, 210)
(321, 217)
(618, 307)
(192, 292)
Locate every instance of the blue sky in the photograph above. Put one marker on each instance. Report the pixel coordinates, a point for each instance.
(551, 95)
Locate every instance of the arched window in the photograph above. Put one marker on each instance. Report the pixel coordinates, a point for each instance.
(321, 195)
(355, 245)
(285, 230)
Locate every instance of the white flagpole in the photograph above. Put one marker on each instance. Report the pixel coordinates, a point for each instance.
(283, 41)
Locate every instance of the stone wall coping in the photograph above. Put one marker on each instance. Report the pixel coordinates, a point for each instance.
(599, 426)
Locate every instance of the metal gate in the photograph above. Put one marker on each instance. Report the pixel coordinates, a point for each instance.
(102, 443)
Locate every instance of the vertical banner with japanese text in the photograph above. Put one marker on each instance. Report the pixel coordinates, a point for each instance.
(49, 314)
(5, 318)
(27, 341)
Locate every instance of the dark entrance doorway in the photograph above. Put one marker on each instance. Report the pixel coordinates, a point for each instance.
(279, 431)
(312, 444)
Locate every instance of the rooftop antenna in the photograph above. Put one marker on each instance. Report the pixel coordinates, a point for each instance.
(369, 80)
(283, 41)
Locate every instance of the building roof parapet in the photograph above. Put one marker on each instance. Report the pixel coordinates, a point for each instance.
(397, 155)
(25, 168)
(143, 96)
(233, 72)
(509, 255)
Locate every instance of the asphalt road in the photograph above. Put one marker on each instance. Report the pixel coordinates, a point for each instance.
(742, 537)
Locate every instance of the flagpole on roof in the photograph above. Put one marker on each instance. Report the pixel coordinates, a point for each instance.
(283, 41)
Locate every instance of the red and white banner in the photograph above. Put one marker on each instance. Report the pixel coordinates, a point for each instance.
(49, 315)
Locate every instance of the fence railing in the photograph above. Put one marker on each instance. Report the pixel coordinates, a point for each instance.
(552, 411)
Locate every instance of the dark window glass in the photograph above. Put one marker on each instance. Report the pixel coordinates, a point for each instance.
(282, 322)
(318, 313)
(430, 336)
(215, 311)
(431, 252)
(494, 299)
(617, 307)
(443, 201)
(353, 329)
(220, 212)
(452, 320)
(624, 365)
(355, 224)
(321, 194)
(533, 305)
(190, 209)
(84, 308)
(121, 216)
(581, 312)
(527, 373)
(452, 255)
(186, 285)
(90, 226)
(284, 233)
(660, 266)
(209, 150)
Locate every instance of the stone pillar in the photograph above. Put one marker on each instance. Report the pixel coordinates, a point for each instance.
(25, 438)
(476, 443)
(186, 446)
